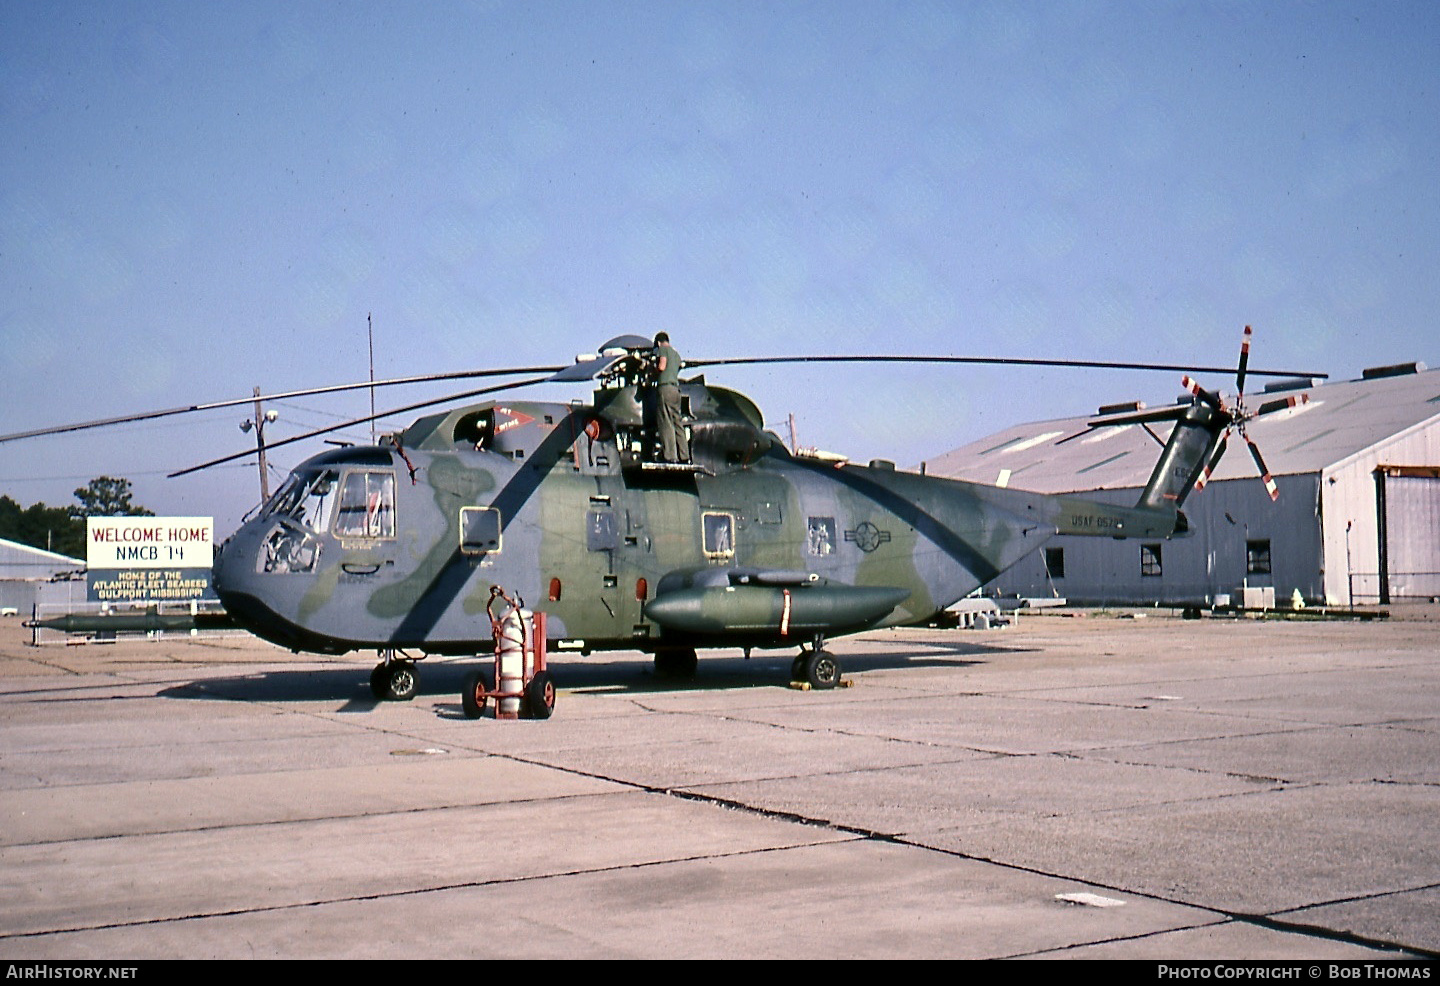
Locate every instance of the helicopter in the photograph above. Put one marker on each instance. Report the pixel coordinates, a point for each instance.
(400, 546)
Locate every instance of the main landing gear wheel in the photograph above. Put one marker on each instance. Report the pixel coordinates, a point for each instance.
(540, 696)
(472, 695)
(676, 662)
(819, 668)
(397, 681)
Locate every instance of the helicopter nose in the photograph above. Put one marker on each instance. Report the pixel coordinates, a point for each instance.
(225, 569)
(217, 570)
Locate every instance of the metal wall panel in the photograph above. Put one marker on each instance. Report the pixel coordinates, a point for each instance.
(1411, 523)
(1351, 514)
(1210, 562)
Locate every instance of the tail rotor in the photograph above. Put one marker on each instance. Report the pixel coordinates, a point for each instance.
(1240, 416)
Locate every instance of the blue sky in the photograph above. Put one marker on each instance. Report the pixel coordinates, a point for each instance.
(196, 199)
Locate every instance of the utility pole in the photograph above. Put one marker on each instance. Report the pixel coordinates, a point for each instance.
(258, 423)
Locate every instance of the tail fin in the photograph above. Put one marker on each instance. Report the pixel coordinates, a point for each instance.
(1199, 427)
(1198, 440)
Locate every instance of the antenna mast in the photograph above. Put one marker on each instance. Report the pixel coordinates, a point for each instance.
(370, 331)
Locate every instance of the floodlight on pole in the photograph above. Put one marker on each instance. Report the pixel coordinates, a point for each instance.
(258, 425)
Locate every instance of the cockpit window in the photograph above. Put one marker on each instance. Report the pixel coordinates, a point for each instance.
(367, 505)
(288, 551)
(307, 498)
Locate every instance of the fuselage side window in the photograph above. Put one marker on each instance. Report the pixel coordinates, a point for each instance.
(719, 536)
(480, 530)
(820, 537)
(367, 505)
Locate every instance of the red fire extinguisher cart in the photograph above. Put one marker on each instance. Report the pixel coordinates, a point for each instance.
(521, 685)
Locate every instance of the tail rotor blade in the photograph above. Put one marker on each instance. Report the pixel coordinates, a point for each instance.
(1214, 461)
(1244, 362)
(1208, 396)
(1265, 476)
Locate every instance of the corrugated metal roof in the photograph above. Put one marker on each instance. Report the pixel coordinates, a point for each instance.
(1340, 420)
(20, 561)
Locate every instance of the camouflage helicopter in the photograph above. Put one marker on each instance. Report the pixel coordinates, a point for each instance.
(397, 547)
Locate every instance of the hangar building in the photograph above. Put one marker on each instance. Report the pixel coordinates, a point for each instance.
(25, 570)
(1357, 521)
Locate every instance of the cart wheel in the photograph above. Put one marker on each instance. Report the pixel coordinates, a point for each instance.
(380, 681)
(821, 669)
(403, 681)
(540, 696)
(472, 695)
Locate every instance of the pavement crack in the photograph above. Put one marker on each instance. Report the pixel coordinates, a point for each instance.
(438, 888)
(1358, 898)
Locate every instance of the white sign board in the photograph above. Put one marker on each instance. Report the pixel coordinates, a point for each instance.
(150, 542)
(149, 559)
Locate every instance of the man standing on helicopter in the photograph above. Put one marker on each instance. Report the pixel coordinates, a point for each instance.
(674, 446)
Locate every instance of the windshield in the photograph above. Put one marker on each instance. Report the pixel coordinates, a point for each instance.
(308, 498)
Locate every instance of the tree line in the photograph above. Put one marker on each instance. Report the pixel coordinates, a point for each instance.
(62, 529)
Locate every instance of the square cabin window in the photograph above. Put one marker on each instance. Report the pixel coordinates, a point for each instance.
(367, 505)
(719, 536)
(820, 537)
(479, 530)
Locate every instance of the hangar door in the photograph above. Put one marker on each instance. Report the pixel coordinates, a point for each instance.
(1409, 514)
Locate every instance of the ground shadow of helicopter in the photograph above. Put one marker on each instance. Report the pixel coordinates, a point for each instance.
(613, 674)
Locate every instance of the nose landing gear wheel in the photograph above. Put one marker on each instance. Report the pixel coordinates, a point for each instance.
(397, 681)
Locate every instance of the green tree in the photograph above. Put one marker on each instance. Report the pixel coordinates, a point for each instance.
(48, 528)
(62, 529)
(107, 497)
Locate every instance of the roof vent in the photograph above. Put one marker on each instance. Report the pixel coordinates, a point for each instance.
(1397, 370)
(1294, 383)
(1121, 408)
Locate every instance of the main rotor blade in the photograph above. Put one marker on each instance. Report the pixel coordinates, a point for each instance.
(235, 402)
(994, 361)
(1281, 403)
(514, 385)
(1208, 396)
(1172, 413)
